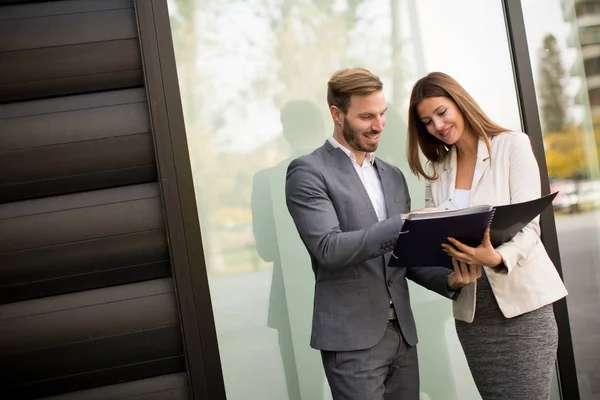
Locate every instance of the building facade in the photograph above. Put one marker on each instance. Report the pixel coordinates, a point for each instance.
(145, 245)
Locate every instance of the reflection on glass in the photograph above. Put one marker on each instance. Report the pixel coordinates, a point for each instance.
(303, 130)
(564, 41)
(253, 80)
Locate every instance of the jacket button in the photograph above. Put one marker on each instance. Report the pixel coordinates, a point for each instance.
(390, 282)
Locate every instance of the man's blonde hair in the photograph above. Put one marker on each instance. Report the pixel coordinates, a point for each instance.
(351, 81)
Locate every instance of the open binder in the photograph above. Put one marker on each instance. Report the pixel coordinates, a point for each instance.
(419, 242)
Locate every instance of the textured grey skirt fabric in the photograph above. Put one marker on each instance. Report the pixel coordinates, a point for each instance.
(509, 358)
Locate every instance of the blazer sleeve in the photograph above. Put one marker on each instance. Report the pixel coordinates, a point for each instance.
(432, 278)
(313, 212)
(524, 183)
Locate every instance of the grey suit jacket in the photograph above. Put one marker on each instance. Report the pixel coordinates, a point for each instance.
(350, 250)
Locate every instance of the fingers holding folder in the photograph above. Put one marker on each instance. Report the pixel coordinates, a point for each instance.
(484, 254)
(464, 274)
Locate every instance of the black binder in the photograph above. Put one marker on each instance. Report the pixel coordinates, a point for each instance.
(419, 242)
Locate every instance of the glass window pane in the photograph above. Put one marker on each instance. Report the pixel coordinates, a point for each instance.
(253, 80)
(564, 43)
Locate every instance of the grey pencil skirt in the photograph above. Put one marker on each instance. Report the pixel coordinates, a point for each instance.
(509, 358)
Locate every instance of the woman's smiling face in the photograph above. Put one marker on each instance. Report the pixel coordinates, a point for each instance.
(442, 118)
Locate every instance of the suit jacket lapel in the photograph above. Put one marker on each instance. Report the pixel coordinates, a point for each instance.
(345, 170)
(388, 186)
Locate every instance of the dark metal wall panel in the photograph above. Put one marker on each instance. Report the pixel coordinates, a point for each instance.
(58, 169)
(37, 8)
(93, 59)
(49, 149)
(97, 378)
(69, 70)
(88, 238)
(51, 371)
(65, 104)
(125, 210)
(83, 265)
(168, 387)
(73, 118)
(85, 199)
(56, 30)
(57, 339)
(75, 158)
(87, 315)
(81, 241)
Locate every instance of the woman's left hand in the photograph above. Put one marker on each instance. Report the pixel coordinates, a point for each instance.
(484, 254)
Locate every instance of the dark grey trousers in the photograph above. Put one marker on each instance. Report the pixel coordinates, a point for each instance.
(387, 371)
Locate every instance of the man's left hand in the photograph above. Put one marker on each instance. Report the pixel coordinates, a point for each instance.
(463, 274)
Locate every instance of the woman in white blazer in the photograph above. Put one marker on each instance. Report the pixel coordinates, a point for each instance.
(505, 321)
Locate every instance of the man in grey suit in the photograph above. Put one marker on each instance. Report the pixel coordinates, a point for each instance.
(348, 207)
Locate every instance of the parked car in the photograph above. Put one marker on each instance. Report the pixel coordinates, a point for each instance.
(567, 199)
(589, 194)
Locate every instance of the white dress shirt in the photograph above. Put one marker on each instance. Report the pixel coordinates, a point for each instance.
(369, 177)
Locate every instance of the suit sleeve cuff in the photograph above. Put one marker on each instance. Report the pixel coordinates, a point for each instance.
(452, 293)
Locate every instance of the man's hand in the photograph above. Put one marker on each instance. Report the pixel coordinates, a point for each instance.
(484, 254)
(463, 274)
(424, 210)
(419, 211)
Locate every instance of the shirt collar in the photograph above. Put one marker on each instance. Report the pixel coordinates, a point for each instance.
(370, 157)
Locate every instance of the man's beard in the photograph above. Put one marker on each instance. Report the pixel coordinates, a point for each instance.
(352, 137)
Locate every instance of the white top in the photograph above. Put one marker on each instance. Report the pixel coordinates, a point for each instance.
(369, 177)
(462, 198)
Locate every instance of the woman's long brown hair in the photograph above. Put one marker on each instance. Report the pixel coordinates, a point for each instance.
(438, 84)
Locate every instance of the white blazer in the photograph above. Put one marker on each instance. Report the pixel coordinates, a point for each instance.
(511, 175)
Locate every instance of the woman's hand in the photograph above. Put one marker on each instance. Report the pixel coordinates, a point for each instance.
(484, 254)
(463, 274)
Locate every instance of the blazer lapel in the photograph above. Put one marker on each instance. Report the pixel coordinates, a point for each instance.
(483, 161)
(448, 175)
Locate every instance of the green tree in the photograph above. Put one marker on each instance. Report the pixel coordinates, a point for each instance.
(550, 88)
(565, 154)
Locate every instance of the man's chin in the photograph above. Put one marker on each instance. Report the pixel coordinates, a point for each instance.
(367, 148)
(370, 148)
